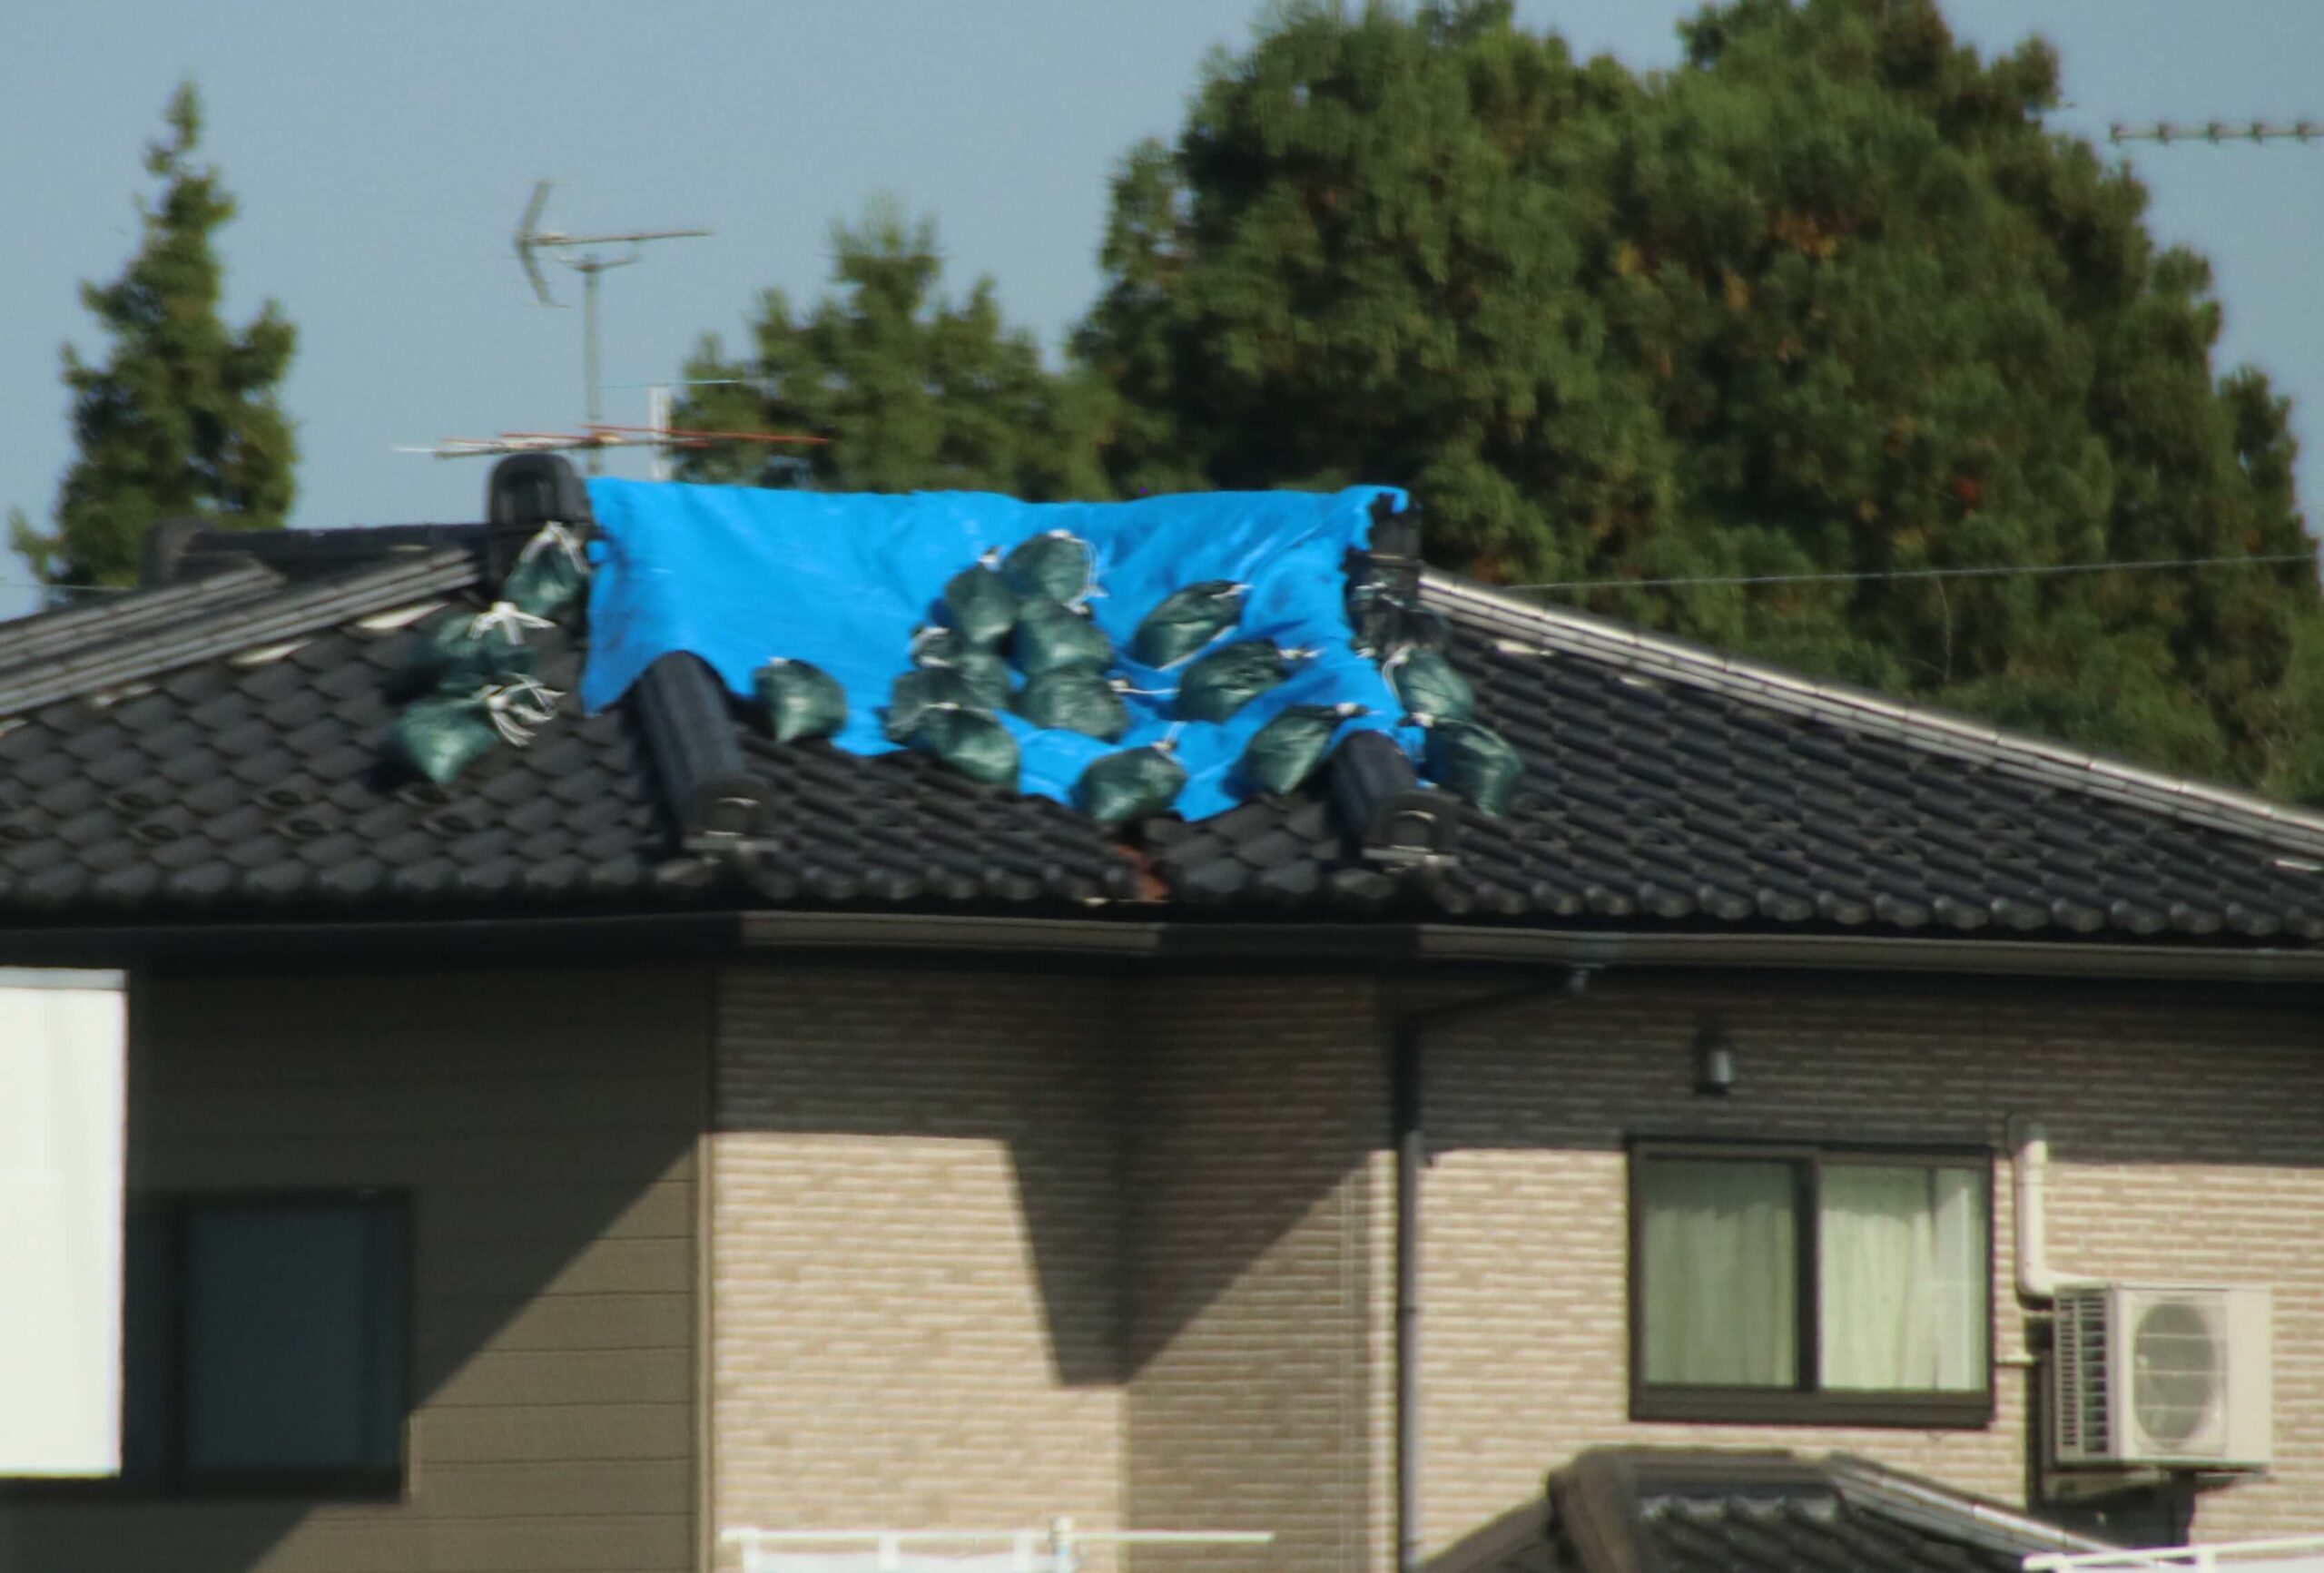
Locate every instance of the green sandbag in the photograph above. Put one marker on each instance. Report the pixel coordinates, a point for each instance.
(801, 700)
(467, 651)
(984, 671)
(971, 743)
(1054, 566)
(920, 690)
(1075, 701)
(1132, 784)
(549, 575)
(1476, 762)
(1429, 686)
(440, 737)
(1051, 637)
(979, 605)
(1229, 678)
(1287, 751)
(1186, 620)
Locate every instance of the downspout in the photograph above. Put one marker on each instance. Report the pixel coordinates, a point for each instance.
(1407, 1086)
(2029, 1146)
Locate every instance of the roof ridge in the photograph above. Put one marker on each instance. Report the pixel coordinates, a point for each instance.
(299, 609)
(1941, 731)
(49, 636)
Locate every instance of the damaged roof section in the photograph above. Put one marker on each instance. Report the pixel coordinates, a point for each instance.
(213, 743)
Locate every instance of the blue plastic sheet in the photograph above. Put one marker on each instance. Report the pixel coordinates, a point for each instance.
(738, 576)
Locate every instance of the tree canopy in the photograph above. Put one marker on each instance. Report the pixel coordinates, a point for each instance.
(913, 390)
(1830, 298)
(181, 420)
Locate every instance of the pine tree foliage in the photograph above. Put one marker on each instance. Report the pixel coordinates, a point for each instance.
(181, 420)
(1828, 297)
(913, 391)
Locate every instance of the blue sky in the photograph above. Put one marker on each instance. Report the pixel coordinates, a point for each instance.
(381, 154)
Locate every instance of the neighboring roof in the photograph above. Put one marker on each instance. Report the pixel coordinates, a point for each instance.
(213, 747)
(1649, 1511)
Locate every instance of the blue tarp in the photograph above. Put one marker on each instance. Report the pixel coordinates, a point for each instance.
(738, 576)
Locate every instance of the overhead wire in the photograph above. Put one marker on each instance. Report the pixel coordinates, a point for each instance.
(1993, 571)
(1997, 571)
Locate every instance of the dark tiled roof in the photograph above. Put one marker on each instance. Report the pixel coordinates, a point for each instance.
(217, 744)
(1672, 1511)
(194, 778)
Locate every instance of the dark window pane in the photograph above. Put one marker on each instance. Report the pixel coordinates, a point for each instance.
(1718, 1273)
(147, 1317)
(293, 1339)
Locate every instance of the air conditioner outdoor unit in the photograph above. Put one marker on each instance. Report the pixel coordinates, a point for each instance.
(2169, 1375)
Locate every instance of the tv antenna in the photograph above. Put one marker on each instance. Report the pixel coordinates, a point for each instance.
(575, 252)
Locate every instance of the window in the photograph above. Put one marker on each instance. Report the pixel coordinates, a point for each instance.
(1780, 1284)
(267, 1338)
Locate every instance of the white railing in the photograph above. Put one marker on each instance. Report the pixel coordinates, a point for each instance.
(1055, 1549)
(2293, 1554)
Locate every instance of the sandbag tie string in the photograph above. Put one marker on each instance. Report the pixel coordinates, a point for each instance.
(518, 709)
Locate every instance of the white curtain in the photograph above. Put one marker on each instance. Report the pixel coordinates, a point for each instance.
(1902, 1278)
(1718, 1270)
(62, 1086)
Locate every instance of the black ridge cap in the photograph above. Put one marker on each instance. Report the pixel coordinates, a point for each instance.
(710, 788)
(1383, 806)
(301, 609)
(304, 556)
(1558, 630)
(47, 635)
(524, 492)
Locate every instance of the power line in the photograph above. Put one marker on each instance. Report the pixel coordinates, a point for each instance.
(2026, 571)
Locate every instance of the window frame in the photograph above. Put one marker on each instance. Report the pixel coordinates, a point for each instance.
(154, 1377)
(1804, 1402)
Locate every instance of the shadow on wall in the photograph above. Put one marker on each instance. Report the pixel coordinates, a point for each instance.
(1157, 1137)
(544, 1126)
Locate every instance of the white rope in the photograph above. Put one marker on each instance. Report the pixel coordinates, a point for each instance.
(556, 535)
(519, 708)
(506, 617)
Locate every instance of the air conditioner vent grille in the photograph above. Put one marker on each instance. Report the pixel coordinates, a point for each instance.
(2083, 1423)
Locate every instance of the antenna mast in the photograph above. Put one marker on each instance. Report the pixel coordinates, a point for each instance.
(570, 251)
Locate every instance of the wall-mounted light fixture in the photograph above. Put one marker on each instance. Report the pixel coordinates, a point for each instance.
(1714, 1059)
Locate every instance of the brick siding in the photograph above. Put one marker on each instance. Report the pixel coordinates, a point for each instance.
(915, 1250)
(991, 1246)
(2187, 1145)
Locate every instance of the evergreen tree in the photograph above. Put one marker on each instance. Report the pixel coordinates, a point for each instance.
(1828, 298)
(913, 392)
(182, 418)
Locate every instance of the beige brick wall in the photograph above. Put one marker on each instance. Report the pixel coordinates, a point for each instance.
(2188, 1145)
(916, 1267)
(544, 1123)
(1255, 1245)
(991, 1246)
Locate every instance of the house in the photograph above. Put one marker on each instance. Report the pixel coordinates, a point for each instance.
(661, 1135)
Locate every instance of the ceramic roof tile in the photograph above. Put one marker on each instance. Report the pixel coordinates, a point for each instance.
(1658, 787)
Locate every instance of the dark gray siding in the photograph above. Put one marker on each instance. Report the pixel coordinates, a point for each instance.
(545, 1124)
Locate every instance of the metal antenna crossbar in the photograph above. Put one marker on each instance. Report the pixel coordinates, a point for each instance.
(570, 249)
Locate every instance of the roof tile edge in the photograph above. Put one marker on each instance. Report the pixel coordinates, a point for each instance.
(2220, 808)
